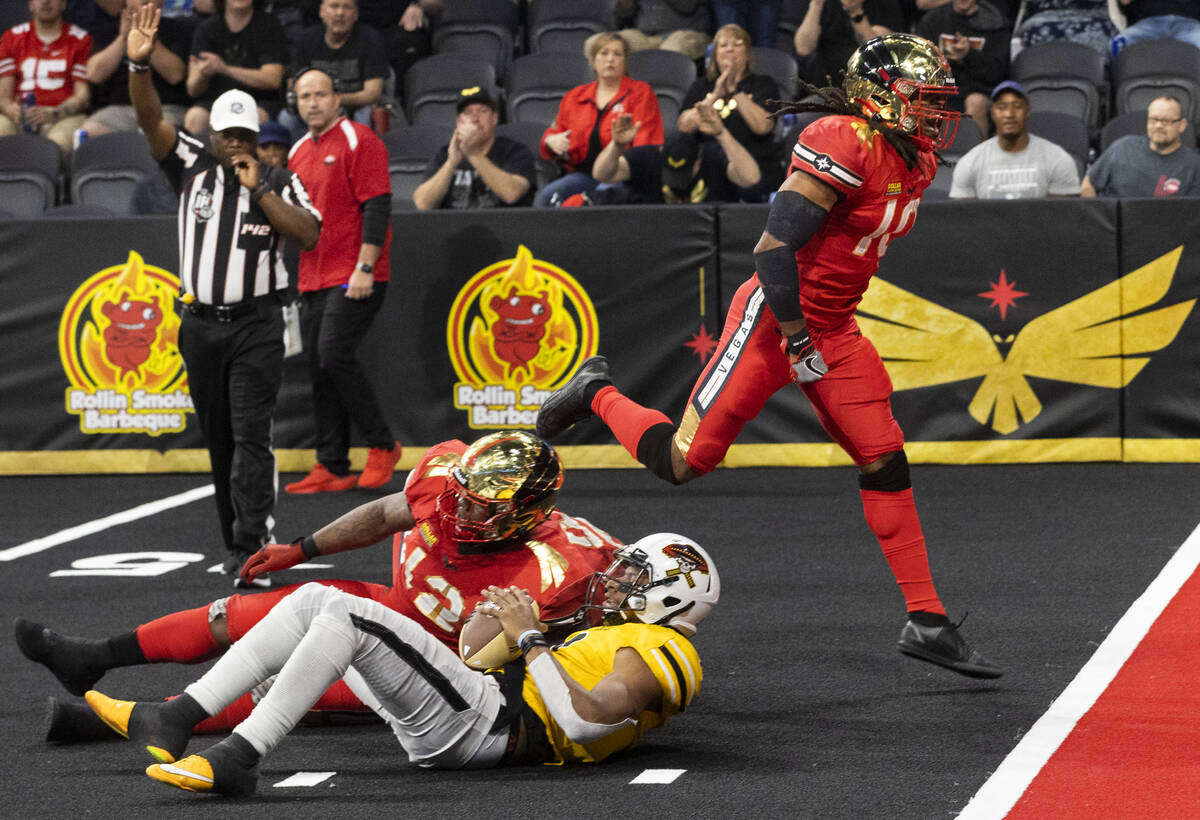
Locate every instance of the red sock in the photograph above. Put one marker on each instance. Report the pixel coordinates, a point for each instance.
(181, 637)
(627, 419)
(892, 516)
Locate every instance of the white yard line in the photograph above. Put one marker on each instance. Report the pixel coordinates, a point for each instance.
(100, 524)
(1010, 780)
(657, 776)
(304, 779)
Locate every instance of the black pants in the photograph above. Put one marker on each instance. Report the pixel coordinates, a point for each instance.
(333, 327)
(234, 370)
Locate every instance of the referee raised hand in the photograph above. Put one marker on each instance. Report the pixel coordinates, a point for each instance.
(234, 214)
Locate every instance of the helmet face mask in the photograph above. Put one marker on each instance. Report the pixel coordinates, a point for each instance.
(663, 579)
(903, 82)
(503, 485)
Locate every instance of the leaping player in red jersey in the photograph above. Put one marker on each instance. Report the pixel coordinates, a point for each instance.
(854, 184)
(468, 517)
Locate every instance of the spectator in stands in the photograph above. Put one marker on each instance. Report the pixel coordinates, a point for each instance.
(829, 31)
(99, 18)
(1158, 164)
(1014, 164)
(107, 71)
(477, 169)
(686, 170)
(274, 142)
(405, 26)
(241, 46)
(1077, 21)
(583, 125)
(1157, 19)
(348, 51)
(673, 25)
(46, 57)
(975, 37)
(756, 16)
(738, 97)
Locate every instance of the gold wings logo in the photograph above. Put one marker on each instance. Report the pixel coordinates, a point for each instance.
(676, 163)
(1100, 339)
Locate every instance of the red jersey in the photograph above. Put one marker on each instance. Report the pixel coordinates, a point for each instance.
(49, 70)
(437, 585)
(578, 113)
(341, 169)
(878, 199)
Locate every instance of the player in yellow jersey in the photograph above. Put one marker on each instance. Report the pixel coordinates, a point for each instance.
(628, 670)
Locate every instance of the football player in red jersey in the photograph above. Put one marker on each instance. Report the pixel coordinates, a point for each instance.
(468, 518)
(855, 182)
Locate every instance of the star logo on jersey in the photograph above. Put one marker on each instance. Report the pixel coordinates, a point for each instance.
(517, 331)
(822, 162)
(1099, 340)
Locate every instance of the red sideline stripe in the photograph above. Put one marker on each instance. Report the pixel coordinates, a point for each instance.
(1136, 753)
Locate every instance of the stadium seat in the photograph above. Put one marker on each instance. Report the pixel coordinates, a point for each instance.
(565, 25)
(1065, 77)
(1143, 71)
(1065, 130)
(81, 212)
(530, 133)
(670, 74)
(433, 85)
(106, 168)
(28, 174)
(966, 138)
(410, 149)
(483, 29)
(779, 66)
(1132, 123)
(536, 84)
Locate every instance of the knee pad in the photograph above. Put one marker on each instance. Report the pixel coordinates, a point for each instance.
(893, 478)
(654, 450)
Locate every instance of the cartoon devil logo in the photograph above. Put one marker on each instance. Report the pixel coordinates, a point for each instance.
(520, 326)
(133, 325)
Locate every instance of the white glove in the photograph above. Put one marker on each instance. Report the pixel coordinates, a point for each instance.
(807, 362)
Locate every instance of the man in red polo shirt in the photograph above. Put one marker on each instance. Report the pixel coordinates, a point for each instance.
(344, 166)
(46, 57)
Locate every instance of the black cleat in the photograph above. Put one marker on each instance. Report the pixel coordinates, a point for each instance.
(569, 405)
(61, 654)
(943, 645)
(71, 722)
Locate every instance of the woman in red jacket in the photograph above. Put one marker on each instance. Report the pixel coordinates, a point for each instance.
(585, 119)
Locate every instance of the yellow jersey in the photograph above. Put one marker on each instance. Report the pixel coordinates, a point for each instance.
(588, 656)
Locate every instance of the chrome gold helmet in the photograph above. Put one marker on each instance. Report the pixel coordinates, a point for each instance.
(903, 82)
(503, 485)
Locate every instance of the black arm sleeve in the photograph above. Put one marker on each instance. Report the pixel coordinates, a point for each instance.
(793, 220)
(376, 212)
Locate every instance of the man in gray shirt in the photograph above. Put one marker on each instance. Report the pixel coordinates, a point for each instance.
(1014, 164)
(1158, 164)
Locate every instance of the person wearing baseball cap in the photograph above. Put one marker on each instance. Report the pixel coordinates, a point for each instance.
(476, 168)
(233, 213)
(274, 141)
(686, 170)
(1014, 164)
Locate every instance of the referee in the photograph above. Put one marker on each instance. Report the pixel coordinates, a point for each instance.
(233, 216)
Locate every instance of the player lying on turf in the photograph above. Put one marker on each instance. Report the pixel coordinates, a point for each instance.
(468, 517)
(595, 693)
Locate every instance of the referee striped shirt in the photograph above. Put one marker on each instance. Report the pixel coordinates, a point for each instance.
(228, 249)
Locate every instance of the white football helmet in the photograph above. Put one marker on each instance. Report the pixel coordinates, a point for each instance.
(664, 579)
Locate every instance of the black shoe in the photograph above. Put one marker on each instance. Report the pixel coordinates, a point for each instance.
(61, 654)
(71, 722)
(233, 566)
(942, 644)
(569, 404)
(151, 725)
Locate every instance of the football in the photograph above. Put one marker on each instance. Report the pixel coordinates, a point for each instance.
(482, 643)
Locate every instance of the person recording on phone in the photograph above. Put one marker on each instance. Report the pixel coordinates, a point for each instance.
(234, 213)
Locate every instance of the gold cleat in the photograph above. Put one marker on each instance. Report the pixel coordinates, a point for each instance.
(118, 714)
(193, 774)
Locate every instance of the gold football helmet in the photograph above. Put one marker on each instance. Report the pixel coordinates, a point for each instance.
(903, 82)
(505, 484)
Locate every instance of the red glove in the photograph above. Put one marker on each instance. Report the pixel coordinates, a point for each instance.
(275, 557)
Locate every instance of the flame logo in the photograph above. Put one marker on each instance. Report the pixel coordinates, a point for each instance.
(518, 329)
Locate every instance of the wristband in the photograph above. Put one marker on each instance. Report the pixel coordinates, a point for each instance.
(138, 68)
(309, 547)
(800, 344)
(531, 638)
(260, 190)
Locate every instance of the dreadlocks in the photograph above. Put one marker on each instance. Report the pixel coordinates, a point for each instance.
(833, 100)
